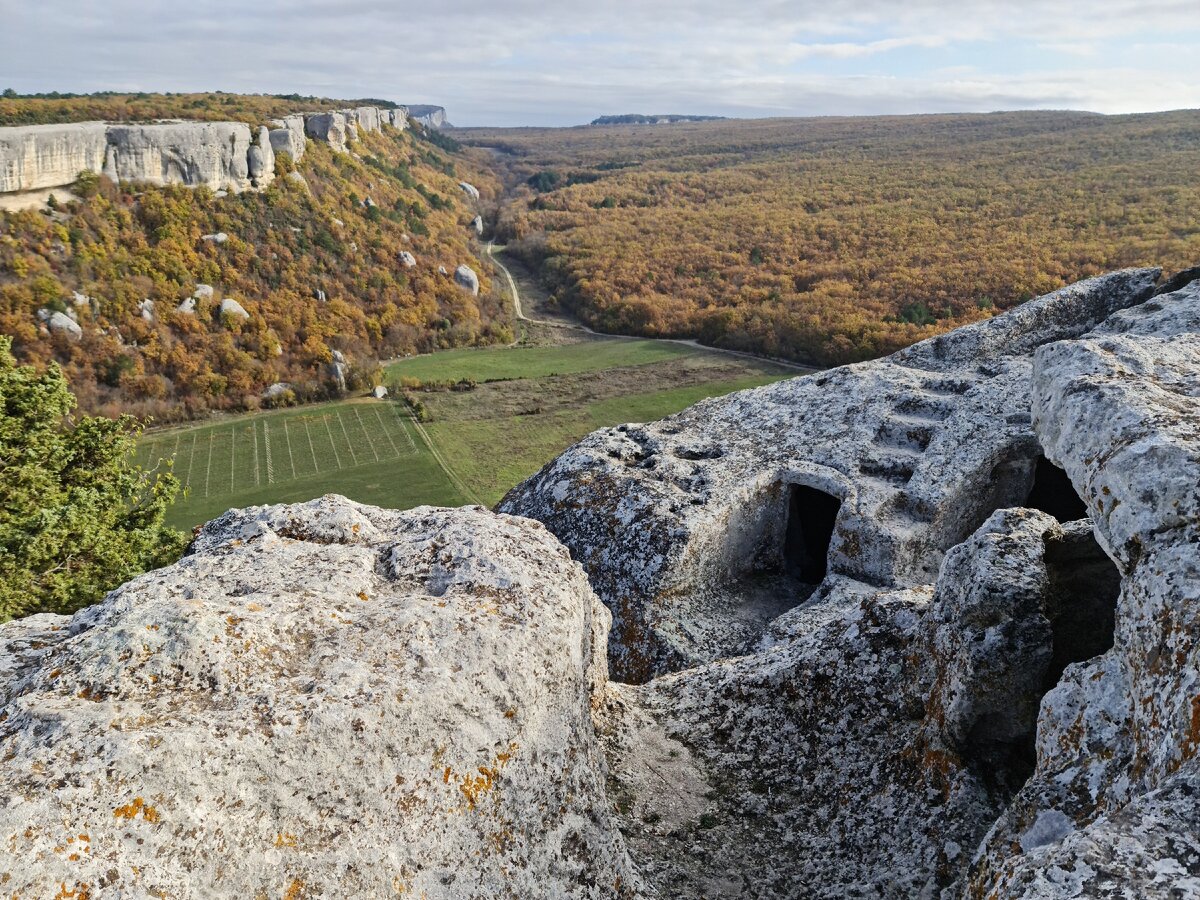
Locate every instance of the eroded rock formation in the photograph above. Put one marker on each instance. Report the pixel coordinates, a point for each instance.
(361, 702)
(919, 627)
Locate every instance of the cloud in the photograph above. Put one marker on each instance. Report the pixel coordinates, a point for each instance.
(528, 62)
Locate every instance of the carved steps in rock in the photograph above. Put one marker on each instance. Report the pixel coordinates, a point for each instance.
(905, 431)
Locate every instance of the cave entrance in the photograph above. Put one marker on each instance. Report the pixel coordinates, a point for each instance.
(1078, 618)
(1053, 493)
(812, 514)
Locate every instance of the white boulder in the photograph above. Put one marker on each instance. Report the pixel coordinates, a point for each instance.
(233, 309)
(466, 278)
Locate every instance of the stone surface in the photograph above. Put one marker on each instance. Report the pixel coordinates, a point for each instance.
(406, 259)
(1118, 737)
(260, 160)
(42, 156)
(187, 306)
(466, 278)
(218, 237)
(288, 136)
(429, 116)
(60, 323)
(469, 189)
(477, 225)
(146, 309)
(329, 128)
(233, 309)
(361, 702)
(379, 392)
(203, 292)
(911, 453)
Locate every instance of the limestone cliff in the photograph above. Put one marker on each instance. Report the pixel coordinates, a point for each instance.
(218, 155)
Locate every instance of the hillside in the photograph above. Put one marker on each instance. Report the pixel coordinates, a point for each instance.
(314, 259)
(832, 240)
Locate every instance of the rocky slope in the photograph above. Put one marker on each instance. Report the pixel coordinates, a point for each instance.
(919, 627)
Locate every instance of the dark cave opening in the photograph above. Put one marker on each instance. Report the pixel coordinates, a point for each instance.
(1053, 493)
(1079, 603)
(812, 514)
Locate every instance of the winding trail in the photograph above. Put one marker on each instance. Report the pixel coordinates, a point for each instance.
(687, 342)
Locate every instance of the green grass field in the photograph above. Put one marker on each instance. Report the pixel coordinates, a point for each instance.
(367, 450)
(535, 362)
(481, 443)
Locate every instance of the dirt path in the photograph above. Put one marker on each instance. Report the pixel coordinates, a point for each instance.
(687, 342)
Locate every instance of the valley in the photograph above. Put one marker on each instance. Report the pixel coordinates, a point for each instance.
(526, 404)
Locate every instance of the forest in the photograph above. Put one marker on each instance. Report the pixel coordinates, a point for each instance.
(840, 239)
(314, 260)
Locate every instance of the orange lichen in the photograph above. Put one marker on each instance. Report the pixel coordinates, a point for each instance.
(362, 595)
(286, 840)
(295, 890)
(136, 807)
(78, 892)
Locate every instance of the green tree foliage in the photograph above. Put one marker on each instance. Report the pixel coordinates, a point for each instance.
(77, 518)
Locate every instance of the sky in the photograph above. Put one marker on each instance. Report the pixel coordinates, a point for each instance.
(534, 62)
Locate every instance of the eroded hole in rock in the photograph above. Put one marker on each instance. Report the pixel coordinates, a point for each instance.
(1081, 601)
(812, 514)
(1053, 493)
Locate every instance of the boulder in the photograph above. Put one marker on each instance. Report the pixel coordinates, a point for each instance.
(60, 323)
(477, 225)
(296, 178)
(219, 237)
(466, 278)
(407, 259)
(231, 308)
(379, 392)
(364, 702)
(276, 390)
(469, 189)
(203, 292)
(320, 295)
(146, 309)
(329, 128)
(187, 306)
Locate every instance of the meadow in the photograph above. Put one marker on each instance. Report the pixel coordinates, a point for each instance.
(531, 403)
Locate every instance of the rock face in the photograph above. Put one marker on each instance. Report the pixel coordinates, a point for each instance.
(43, 156)
(366, 703)
(329, 128)
(213, 154)
(906, 680)
(477, 225)
(219, 155)
(287, 136)
(261, 160)
(891, 463)
(429, 116)
(466, 278)
(469, 189)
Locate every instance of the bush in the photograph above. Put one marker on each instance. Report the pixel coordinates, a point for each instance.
(78, 518)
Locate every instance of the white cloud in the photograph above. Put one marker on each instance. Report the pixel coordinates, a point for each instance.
(525, 61)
